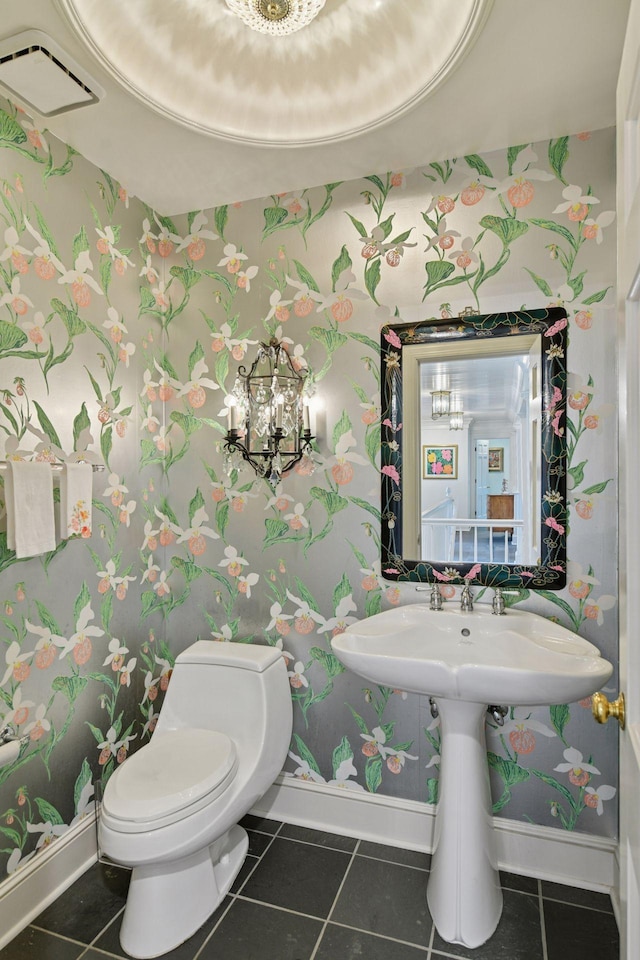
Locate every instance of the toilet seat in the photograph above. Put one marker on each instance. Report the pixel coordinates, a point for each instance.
(174, 775)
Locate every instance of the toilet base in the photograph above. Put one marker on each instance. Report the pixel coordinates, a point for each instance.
(169, 901)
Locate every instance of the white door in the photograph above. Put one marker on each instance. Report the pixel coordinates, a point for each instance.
(482, 477)
(628, 205)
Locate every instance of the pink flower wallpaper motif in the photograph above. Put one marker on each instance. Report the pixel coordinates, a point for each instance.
(121, 331)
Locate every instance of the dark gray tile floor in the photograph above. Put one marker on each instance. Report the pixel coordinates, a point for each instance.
(307, 895)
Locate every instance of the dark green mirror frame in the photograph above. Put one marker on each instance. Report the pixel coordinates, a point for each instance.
(550, 572)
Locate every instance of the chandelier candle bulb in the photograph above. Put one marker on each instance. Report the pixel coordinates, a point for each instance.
(234, 418)
(279, 414)
(306, 418)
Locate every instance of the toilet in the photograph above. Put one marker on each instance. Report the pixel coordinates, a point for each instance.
(171, 810)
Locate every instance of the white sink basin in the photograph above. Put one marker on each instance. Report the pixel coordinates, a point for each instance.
(518, 659)
(467, 661)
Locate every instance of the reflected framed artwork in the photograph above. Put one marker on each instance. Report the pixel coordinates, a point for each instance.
(440, 462)
(496, 459)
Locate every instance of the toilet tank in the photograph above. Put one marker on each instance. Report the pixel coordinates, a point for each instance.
(240, 689)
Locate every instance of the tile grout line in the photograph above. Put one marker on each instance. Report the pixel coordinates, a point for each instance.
(397, 863)
(364, 856)
(440, 955)
(276, 906)
(431, 939)
(380, 936)
(325, 846)
(581, 906)
(106, 927)
(52, 933)
(87, 946)
(56, 936)
(103, 953)
(213, 930)
(257, 863)
(543, 927)
(335, 900)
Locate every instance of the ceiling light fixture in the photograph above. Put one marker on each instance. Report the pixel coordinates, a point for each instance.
(440, 403)
(456, 414)
(276, 17)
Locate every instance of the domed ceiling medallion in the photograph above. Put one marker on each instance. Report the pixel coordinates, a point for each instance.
(311, 72)
(277, 17)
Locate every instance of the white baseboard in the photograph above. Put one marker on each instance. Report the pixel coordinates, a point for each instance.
(578, 859)
(26, 893)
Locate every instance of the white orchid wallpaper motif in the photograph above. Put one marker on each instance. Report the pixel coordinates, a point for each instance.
(120, 333)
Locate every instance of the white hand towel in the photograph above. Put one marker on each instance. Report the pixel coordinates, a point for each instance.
(76, 488)
(32, 507)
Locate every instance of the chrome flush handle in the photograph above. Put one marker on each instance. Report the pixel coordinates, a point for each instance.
(498, 713)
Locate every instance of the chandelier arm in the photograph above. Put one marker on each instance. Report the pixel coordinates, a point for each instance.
(232, 443)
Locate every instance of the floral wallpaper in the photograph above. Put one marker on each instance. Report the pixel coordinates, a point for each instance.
(121, 331)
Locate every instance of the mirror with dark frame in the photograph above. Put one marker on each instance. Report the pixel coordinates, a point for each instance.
(474, 450)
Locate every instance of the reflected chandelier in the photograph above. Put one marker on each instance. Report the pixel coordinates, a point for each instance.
(456, 414)
(276, 17)
(440, 403)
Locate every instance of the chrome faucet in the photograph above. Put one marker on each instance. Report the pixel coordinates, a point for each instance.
(466, 599)
(436, 598)
(498, 605)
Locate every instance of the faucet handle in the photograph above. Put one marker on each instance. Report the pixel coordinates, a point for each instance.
(466, 598)
(498, 605)
(436, 598)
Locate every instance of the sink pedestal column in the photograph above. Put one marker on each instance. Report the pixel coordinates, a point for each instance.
(463, 892)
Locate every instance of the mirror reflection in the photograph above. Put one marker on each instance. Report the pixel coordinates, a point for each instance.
(479, 418)
(473, 474)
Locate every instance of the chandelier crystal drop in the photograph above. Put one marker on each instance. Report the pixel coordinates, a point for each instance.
(276, 17)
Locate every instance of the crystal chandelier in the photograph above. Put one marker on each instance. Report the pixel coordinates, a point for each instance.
(268, 416)
(276, 17)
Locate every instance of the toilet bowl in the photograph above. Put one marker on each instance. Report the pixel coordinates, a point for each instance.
(171, 810)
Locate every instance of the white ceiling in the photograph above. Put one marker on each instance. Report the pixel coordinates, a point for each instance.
(487, 387)
(538, 69)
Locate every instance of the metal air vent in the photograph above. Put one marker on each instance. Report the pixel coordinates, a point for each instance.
(39, 74)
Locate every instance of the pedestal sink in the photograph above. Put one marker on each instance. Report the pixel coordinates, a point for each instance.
(466, 661)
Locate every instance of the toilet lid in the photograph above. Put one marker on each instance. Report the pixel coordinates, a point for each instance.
(174, 771)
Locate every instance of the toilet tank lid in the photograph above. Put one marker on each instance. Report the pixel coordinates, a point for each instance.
(246, 656)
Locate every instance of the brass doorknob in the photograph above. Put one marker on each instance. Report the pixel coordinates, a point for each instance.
(602, 709)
